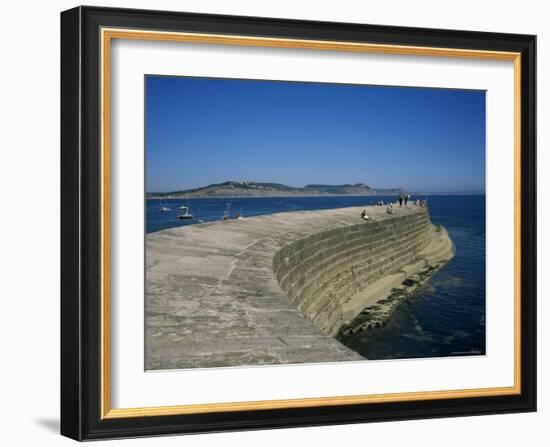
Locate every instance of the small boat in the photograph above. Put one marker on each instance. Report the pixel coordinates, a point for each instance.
(226, 212)
(186, 214)
(163, 208)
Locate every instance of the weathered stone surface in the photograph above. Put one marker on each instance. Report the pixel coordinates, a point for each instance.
(374, 306)
(275, 289)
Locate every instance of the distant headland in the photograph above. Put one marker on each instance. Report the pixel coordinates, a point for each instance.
(259, 189)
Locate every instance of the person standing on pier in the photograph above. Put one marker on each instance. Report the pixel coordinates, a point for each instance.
(400, 199)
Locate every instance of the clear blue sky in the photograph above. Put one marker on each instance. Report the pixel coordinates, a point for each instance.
(201, 131)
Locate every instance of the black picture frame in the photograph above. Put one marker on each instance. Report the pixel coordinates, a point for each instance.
(81, 224)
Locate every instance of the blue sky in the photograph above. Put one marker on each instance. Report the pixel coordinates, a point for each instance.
(201, 131)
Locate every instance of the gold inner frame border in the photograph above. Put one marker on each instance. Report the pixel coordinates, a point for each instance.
(107, 35)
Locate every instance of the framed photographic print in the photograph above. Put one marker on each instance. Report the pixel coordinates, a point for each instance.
(277, 223)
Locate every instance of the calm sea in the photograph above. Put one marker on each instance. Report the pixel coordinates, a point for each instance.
(445, 317)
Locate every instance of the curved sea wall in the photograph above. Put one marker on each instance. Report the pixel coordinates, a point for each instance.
(279, 288)
(331, 276)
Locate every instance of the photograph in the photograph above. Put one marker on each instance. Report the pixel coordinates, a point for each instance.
(287, 221)
(308, 222)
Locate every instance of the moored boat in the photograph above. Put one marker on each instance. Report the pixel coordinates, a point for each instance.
(186, 215)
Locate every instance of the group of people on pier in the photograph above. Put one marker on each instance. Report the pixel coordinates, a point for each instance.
(403, 200)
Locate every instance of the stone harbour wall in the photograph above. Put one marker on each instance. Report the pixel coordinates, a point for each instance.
(322, 272)
(277, 289)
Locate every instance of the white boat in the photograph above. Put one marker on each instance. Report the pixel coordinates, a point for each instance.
(186, 214)
(226, 212)
(163, 208)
